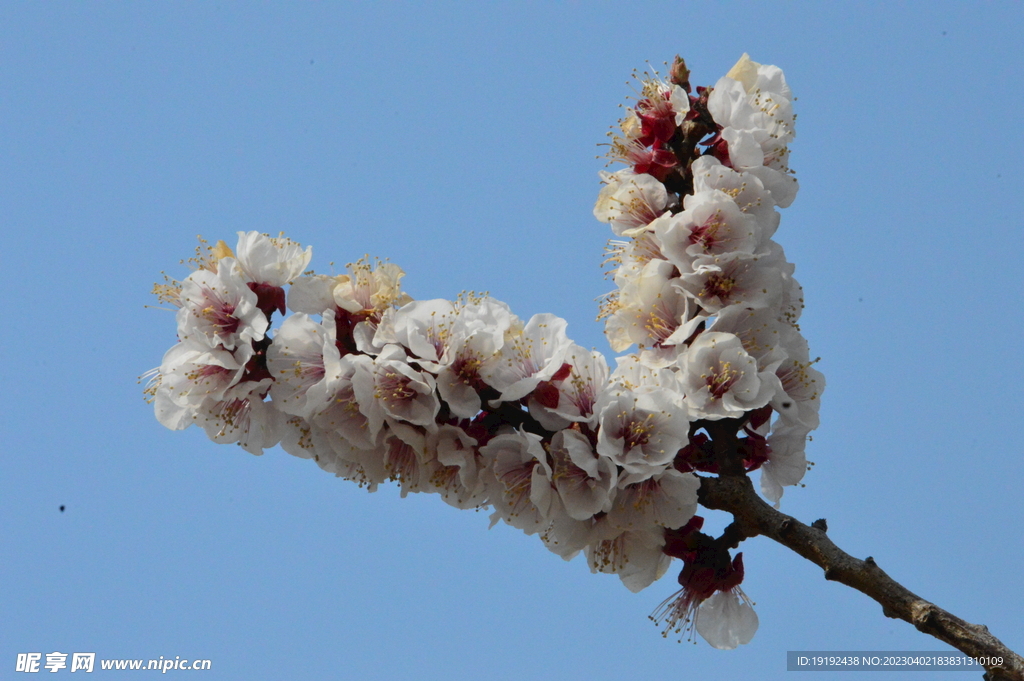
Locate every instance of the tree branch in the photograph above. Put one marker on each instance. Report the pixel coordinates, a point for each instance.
(753, 516)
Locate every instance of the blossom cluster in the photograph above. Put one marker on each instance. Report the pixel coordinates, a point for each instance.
(465, 399)
(708, 297)
(461, 398)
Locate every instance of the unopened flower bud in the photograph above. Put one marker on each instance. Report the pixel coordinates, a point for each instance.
(679, 74)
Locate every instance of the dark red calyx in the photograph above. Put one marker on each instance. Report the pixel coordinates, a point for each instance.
(344, 326)
(656, 127)
(256, 368)
(759, 417)
(562, 373)
(755, 451)
(656, 162)
(698, 455)
(268, 298)
(546, 394)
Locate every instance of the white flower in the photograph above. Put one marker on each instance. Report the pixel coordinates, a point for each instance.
(273, 261)
(759, 330)
(296, 360)
(634, 555)
(711, 224)
(753, 96)
(743, 187)
(632, 373)
(427, 328)
(394, 389)
(792, 304)
(642, 432)
(667, 499)
(299, 440)
(786, 462)
(332, 402)
(219, 309)
(727, 619)
(753, 105)
(631, 256)
(528, 357)
(479, 333)
(737, 279)
(660, 100)
(631, 202)
(254, 424)
(572, 397)
(754, 76)
(680, 101)
(519, 465)
(312, 294)
(314, 381)
(404, 452)
(745, 149)
(782, 185)
(565, 536)
(435, 330)
(368, 289)
(364, 296)
(333, 453)
(721, 380)
(190, 375)
(711, 597)
(456, 468)
(585, 481)
(651, 310)
(800, 398)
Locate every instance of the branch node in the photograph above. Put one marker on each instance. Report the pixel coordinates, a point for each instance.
(923, 616)
(820, 524)
(890, 613)
(830, 574)
(785, 525)
(871, 562)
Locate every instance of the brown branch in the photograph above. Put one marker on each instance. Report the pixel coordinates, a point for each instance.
(752, 516)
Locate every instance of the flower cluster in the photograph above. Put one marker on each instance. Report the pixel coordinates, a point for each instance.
(464, 399)
(459, 398)
(704, 292)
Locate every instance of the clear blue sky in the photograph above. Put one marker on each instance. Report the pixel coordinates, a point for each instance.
(458, 140)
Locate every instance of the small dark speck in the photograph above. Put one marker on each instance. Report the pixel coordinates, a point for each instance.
(860, 300)
(999, 174)
(943, 33)
(62, 508)
(310, 61)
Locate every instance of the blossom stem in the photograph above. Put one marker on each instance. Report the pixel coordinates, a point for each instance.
(684, 144)
(753, 516)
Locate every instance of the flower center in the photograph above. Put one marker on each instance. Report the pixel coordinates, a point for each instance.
(718, 285)
(720, 380)
(706, 235)
(394, 388)
(637, 433)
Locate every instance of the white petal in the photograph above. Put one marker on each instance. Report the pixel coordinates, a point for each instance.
(725, 620)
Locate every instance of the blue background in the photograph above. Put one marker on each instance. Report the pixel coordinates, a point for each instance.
(458, 140)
